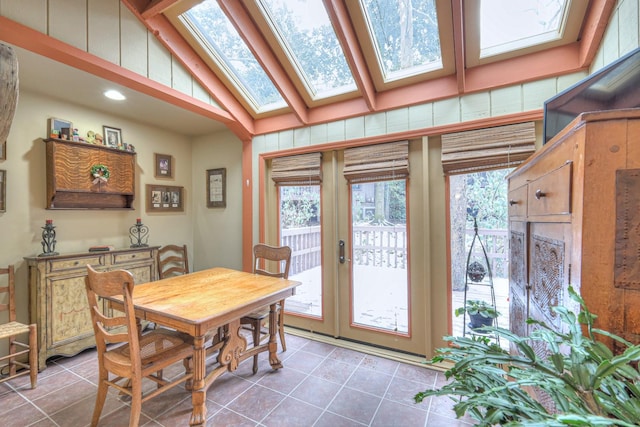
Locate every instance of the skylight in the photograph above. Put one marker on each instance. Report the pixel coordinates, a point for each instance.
(406, 39)
(304, 31)
(208, 23)
(507, 25)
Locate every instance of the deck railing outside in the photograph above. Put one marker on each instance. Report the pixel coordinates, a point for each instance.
(383, 246)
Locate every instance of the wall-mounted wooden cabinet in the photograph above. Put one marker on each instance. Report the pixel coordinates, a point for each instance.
(70, 184)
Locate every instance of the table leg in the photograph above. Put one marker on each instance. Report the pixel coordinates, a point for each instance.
(199, 391)
(273, 344)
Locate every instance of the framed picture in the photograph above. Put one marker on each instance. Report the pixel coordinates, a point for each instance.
(164, 198)
(217, 188)
(112, 137)
(3, 150)
(59, 128)
(163, 166)
(3, 191)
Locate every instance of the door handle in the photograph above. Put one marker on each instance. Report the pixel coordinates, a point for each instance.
(341, 251)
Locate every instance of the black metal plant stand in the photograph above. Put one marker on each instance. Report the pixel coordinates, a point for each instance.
(478, 273)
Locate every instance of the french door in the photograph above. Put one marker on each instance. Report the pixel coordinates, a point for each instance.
(351, 251)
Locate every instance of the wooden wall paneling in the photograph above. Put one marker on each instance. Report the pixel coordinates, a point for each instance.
(398, 120)
(354, 128)
(68, 22)
(32, 13)
(159, 61)
(335, 131)
(536, 93)
(318, 134)
(104, 29)
(421, 116)
(446, 111)
(506, 100)
(133, 43)
(475, 106)
(181, 80)
(375, 124)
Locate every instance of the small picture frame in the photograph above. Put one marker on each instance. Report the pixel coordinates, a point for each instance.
(217, 188)
(112, 137)
(59, 128)
(3, 150)
(164, 166)
(3, 191)
(164, 198)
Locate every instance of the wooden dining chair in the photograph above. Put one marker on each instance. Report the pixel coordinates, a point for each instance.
(271, 261)
(172, 261)
(16, 363)
(137, 356)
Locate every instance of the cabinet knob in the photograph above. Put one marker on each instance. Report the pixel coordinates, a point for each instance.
(540, 194)
(513, 202)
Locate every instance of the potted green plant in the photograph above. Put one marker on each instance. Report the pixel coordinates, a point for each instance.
(481, 313)
(583, 381)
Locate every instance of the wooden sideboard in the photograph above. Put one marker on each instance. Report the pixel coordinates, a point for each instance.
(58, 300)
(574, 219)
(70, 184)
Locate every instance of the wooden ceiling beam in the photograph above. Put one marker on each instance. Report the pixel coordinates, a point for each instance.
(255, 41)
(593, 29)
(458, 43)
(346, 34)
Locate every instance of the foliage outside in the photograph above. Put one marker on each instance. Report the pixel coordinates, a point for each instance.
(588, 384)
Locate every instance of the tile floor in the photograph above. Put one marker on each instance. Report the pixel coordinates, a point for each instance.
(320, 385)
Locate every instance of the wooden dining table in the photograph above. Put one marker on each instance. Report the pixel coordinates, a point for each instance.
(198, 304)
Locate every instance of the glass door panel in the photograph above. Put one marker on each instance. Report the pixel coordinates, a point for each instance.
(300, 229)
(379, 256)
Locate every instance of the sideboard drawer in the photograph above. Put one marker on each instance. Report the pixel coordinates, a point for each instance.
(518, 202)
(121, 258)
(72, 263)
(551, 193)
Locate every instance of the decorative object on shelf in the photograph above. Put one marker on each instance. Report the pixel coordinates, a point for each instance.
(217, 188)
(112, 137)
(100, 173)
(163, 166)
(139, 234)
(56, 126)
(165, 198)
(3, 191)
(48, 239)
(8, 93)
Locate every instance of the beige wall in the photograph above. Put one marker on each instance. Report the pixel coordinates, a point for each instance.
(77, 230)
(218, 231)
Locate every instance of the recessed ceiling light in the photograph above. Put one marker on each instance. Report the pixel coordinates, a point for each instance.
(114, 94)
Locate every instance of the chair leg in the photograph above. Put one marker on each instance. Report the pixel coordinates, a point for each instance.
(101, 396)
(256, 342)
(136, 402)
(281, 326)
(33, 355)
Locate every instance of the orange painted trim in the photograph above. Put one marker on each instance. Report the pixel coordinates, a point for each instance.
(593, 29)
(338, 13)
(261, 50)
(458, 43)
(41, 44)
(156, 8)
(529, 116)
(553, 62)
(247, 207)
(173, 41)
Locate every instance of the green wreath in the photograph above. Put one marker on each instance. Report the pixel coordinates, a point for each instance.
(100, 173)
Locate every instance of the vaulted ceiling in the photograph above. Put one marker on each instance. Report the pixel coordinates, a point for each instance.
(462, 71)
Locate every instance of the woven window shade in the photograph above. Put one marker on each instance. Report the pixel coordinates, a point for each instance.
(377, 162)
(483, 149)
(302, 169)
